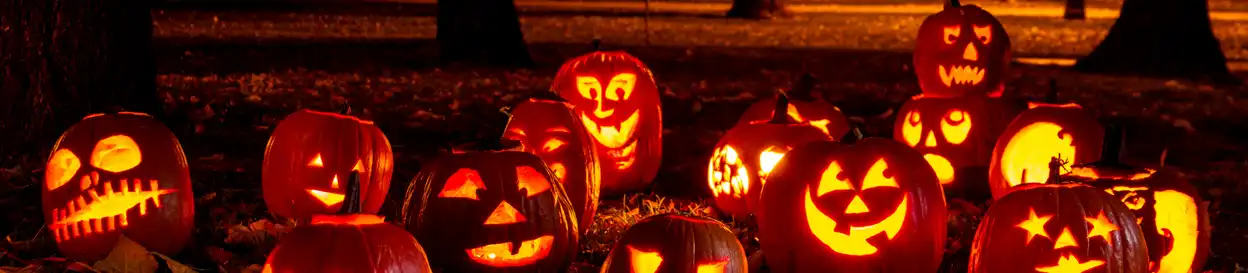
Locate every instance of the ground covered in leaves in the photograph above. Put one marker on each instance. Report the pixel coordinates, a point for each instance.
(228, 78)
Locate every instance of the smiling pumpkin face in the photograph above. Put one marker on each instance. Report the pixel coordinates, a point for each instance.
(550, 130)
(115, 174)
(961, 51)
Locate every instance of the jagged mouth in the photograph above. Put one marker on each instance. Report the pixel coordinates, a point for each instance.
(619, 140)
(510, 254)
(106, 210)
(961, 74)
(1068, 263)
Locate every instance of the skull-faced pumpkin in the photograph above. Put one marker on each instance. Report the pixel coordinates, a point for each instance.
(874, 206)
(117, 174)
(1052, 228)
(961, 50)
(491, 211)
(955, 135)
(615, 96)
(550, 130)
(672, 243)
(309, 157)
(1027, 146)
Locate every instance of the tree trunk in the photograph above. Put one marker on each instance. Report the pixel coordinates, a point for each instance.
(483, 32)
(758, 9)
(63, 59)
(1162, 38)
(1075, 10)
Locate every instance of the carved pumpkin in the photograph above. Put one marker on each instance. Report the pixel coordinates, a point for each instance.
(802, 108)
(747, 153)
(311, 152)
(961, 51)
(349, 241)
(955, 135)
(615, 97)
(1026, 147)
(873, 206)
(117, 174)
(491, 210)
(550, 130)
(676, 244)
(1052, 228)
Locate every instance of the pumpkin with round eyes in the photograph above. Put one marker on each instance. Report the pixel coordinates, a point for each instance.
(803, 107)
(1025, 149)
(491, 209)
(671, 243)
(117, 174)
(1058, 228)
(311, 152)
(550, 130)
(961, 51)
(614, 95)
(746, 155)
(873, 206)
(955, 135)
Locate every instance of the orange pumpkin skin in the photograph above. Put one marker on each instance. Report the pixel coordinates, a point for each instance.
(816, 112)
(737, 171)
(873, 206)
(1058, 228)
(550, 130)
(615, 96)
(309, 157)
(347, 243)
(117, 174)
(955, 135)
(675, 243)
(961, 51)
(1024, 150)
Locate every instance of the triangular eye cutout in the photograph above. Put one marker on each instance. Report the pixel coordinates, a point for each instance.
(359, 166)
(316, 161)
(530, 181)
(644, 261)
(463, 184)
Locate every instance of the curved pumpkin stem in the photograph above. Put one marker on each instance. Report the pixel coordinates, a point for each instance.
(803, 88)
(506, 110)
(953, 4)
(351, 200)
(780, 114)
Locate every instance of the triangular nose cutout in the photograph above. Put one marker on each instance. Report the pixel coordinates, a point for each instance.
(930, 140)
(857, 206)
(504, 214)
(970, 54)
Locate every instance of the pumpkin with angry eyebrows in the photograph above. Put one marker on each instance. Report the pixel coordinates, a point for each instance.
(961, 51)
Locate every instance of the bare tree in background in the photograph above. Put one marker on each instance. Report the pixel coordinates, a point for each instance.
(1166, 38)
(758, 9)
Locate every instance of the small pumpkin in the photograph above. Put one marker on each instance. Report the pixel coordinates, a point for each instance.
(550, 130)
(349, 241)
(491, 208)
(117, 174)
(961, 51)
(872, 206)
(1024, 150)
(309, 154)
(676, 243)
(803, 107)
(615, 96)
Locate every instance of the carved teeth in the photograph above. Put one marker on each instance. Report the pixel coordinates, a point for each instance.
(107, 209)
(960, 74)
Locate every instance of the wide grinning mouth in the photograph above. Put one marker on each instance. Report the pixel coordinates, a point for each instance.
(508, 254)
(612, 136)
(1068, 263)
(106, 210)
(961, 74)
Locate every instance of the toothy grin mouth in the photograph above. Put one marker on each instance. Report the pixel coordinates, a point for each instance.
(506, 255)
(616, 139)
(961, 74)
(107, 210)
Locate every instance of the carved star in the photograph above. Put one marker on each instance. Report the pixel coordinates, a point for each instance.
(1101, 226)
(1034, 225)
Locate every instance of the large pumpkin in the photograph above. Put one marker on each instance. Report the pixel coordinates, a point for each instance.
(1067, 228)
(676, 244)
(309, 154)
(550, 130)
(615, 96)
(349, 241)
(1026, 147)
(961, 51)
(117, 174)
(874, 206)
(803, 107)
(747, 153)
(491, 210)
(955, 135)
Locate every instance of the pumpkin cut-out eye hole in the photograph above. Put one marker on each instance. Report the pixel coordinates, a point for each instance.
(552, 145)
(912, 128)
(876, 176)
(530, 181)
(713, 267)
(61, 168)
(116, 154)
(316, 161)
(644, 261)
(1034, 225)
(833, 179)
(951, 34)
(463, 184)
(588, 86)
(956, 126)
(1101, 227)
(984, 33)
(622, 83)
(359, 166)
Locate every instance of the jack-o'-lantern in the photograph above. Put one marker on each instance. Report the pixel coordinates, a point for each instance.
(802, 108)
(491, 209)
(1058, 228)
(614, 95)
(747, 153)
(955, 135)
(550, 130)
(117, 174)
(1028, 144)
(873, 206)
(349, 241)
(311, 152)
(671, 243)
(961, 51)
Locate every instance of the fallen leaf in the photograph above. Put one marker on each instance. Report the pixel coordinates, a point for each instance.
(128, 257)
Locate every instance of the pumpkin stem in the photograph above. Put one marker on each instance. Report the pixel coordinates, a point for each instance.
(506, 110)
(853, 136)
(1113, 148)
(780, 114)
(1051, 97)
(1055, 170)
(351, 200)
(804, 87)
(953, 4)
(346, 108)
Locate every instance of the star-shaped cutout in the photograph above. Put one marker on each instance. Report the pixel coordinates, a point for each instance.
(1034, 225)
(1101, 226)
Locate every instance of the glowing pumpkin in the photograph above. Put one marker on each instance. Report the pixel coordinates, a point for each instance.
(802, 108)
(1028, 144)
(1058, 228)
(117, 174)
(873, 206)
(491, 210)
(615, 97)
(747, 153)
(677, 244)
(961, 51)
(311, 153)
(955, 135)
(550, 130)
